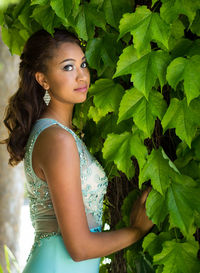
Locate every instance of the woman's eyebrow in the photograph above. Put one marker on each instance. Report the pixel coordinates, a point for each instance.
(71, 60)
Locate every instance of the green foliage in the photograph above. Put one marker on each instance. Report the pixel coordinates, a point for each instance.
(185, 69)
(120, 148)
(145, 70)
(107, 96)
(145, 26)
(158, 170)
(185, 119)
(142, 114)
(5, 3)
(174, 254)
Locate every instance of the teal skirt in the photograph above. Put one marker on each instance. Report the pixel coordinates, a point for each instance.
(51, 256)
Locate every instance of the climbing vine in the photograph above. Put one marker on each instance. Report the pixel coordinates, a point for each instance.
(142, 115)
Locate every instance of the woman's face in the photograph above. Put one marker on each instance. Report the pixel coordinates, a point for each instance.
(67, 75)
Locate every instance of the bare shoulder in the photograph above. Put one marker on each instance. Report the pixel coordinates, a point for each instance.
(55, 132)
(54, 142)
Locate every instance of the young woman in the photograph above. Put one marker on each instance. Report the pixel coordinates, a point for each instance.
(65, 183)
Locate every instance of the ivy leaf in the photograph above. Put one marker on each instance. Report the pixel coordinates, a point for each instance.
(158, 170)
(156, 207)
(102, 52)
(46, 17)
(66, 10)
(195, 25)
(88, 17)
(153, 243)
(143, 265)
(178, 257)
(157, 104)
(24, 34)
(126, 61)
(95, 113)
(144, 71)
(18, 9)
(184, 155)
(176, 202)
(107, 95)
(195, 48)
(80, 114)
(187, 70)
(13, 40)
(177, 29)
(186, 47)
(171, 9)
(62, 7)
(192, 169)
(120, 148)
(145, 26)
(114, 10)
(24, 16)
(144, 113)
(185, 119)
(108, 125)
(97, 3)
(171, 164)
(180, 204)
(127, 206)
(5, 3)
(117, 148)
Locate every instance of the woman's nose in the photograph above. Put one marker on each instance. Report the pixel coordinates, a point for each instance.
(82, 74)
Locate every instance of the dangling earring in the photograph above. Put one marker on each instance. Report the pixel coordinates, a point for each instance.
(46, 97)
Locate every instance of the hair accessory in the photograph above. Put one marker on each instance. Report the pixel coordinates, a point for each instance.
(46, 97)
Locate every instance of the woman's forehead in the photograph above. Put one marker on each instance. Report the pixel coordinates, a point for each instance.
(68, 50)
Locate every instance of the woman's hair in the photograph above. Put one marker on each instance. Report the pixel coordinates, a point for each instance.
(27, 104)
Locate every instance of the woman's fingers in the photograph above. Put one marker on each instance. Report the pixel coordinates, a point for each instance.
(145, 194)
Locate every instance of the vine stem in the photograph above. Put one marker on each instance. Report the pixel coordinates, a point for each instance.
(110, 171)
(176, 235)
(154, 145)
(155, 6)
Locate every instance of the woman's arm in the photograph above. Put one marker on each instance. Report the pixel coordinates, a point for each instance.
(59, 160)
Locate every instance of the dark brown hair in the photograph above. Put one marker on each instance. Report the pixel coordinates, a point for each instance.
(27, 104)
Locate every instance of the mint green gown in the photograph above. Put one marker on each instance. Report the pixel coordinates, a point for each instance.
(48, 253)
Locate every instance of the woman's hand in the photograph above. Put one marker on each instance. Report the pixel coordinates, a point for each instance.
(138, 218)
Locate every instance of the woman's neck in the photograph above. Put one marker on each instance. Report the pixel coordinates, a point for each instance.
(64, 116)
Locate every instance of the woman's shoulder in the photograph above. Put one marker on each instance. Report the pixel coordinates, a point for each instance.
(53, 143)
(55, 136)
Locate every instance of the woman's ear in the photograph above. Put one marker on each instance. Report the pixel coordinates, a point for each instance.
(41, 79)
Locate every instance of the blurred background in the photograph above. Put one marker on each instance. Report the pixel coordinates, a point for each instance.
(15, 226)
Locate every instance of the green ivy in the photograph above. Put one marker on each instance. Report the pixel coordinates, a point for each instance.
(143, 106)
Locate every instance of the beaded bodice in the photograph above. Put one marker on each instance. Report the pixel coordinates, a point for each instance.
(93, 182)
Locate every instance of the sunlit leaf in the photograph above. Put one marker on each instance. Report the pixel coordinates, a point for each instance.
(145, 26)
(179, 257)
(185, 119)
(144, 71)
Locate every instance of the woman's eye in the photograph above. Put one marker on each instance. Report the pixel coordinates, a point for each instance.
(68, 67)
(84, 64)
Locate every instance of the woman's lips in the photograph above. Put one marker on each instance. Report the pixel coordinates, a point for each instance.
(81, 89)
